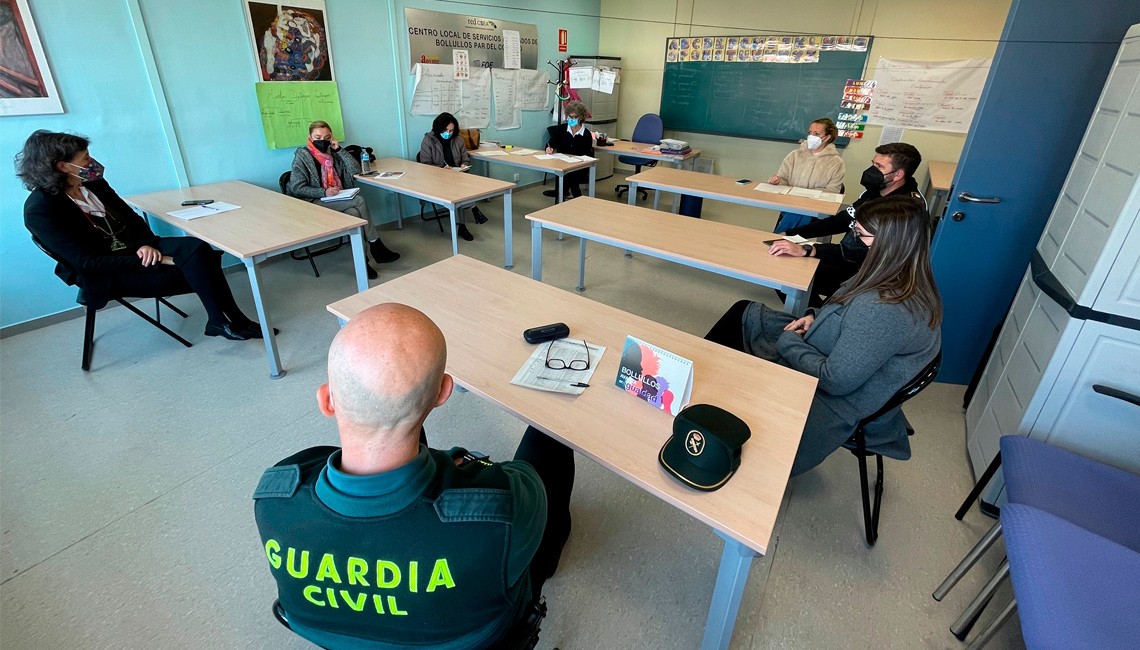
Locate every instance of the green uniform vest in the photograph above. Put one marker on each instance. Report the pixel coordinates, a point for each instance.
(431, 574)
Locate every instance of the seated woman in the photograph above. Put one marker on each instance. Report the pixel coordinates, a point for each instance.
(323, 168)
(814, 165)
(873, 336)
(443, 147)
(105, 247)
(574, 140)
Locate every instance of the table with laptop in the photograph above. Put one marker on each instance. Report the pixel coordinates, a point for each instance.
(451, 188)
(725, 249)
(611, 426)
(256, 225)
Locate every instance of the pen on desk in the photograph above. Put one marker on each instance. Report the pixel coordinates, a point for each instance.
(207, 206)
(575, 384)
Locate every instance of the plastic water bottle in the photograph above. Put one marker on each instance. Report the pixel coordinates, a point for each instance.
(365, 161)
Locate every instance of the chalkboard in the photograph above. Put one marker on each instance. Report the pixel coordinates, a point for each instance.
(769, 101)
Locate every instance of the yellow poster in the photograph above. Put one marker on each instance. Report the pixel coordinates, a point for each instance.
(288, 107)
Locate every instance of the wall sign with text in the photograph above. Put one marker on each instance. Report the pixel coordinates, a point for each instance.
(432, 35)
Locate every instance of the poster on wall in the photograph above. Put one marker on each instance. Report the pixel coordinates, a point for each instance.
(432, 35)
(290, 41)
(931, 95)
(288, 109)
(26, 85)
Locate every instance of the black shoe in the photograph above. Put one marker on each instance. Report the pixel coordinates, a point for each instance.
(230, 332)
(550, 193)
(372, 274)
(480, 218)
(380, 252)
(252, 328)
(464, 233)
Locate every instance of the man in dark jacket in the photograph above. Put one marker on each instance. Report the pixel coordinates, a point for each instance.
(891, 172)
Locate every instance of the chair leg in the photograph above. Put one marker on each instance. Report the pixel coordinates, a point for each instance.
(985, 635)
(88, 338)
(865, 492)
(968, 562)
(961, 627)
(312, 262)
(173, 307)
(878, 498)
(143, 315)
(978, 487)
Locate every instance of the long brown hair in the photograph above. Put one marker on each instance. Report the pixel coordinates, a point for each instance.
(898, 262)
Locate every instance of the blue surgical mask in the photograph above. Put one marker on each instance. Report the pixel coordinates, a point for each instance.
(446, 135)
(572, 122)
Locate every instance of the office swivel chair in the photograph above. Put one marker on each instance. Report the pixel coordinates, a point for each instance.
(92, 304)
(283, 181)
(649, 130)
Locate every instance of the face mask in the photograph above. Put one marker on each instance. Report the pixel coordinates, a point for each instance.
(814, 141)
(572, 122)
(92, 172)
(322, 145)
(445, 135)
(853, 248)
(872, 178)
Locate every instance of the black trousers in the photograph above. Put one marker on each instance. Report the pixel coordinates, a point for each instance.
(554, 463)
(729, 330)
(574, 180)
(197, 268)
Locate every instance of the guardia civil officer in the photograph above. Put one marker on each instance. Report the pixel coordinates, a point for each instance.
(386, 543)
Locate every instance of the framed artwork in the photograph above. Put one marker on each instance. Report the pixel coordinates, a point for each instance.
(290, 41)
(26, 85)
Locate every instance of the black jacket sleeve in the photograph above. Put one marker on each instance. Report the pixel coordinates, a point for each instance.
(833, 225)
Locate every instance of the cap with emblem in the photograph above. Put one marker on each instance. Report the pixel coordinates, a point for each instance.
(704, 450)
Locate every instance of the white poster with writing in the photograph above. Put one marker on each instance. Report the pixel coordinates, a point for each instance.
(512, 49)
(581, 77)
(475, 100)
(437, 91)
(931, 95)
(504, 84)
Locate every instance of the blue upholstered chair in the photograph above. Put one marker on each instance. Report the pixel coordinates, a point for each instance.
(649, 130)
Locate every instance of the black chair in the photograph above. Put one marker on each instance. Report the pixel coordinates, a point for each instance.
(649, 130)
(523, 636)
(438, 215)
(92, 307)
(857, 445)
(283, 181)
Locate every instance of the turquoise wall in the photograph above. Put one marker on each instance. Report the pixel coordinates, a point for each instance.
(165, 90)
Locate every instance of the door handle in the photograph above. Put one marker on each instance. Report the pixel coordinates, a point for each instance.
(1117, 393)
(970, 198)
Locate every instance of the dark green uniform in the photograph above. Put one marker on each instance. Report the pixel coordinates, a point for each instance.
(428, 554)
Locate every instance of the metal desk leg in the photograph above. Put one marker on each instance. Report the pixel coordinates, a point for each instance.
(451, 210)
(536, 251)
(581, 265)
(558, 198)
(797, 301)
(632, 198)
(359, 262)
(275, 369)
(676, 202)
(735, 562)
(399, 210)
(508, 232)
(593, 177)
(656, 199)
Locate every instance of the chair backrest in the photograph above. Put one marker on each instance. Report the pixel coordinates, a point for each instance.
(913, 387)
(284, 181)
(649, 129)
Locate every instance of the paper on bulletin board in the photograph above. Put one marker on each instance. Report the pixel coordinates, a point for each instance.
(581, 77)
(512, 49)
(932, 95)
(532, 92)
(287, 108)
(475, 100)
(462, 64)
(435, 90)
(504, 85)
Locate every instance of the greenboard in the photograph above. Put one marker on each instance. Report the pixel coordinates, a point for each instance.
(768, 101)
(288, 107)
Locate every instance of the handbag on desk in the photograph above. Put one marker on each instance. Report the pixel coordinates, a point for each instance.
(470, 138)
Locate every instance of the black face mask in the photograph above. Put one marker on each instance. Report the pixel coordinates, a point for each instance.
(872, 179)
(853, 248)
(322, 145)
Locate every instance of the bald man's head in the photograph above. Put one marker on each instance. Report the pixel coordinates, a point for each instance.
(386, 368)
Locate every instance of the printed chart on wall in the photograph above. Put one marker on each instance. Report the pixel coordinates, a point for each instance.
(931, 95)
(290, 41)
(437, 91)
(287, 109)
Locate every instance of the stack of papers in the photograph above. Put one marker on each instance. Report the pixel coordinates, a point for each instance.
(772, 189)
(535, 374)
(391, 176)
(522, 151)
(807, 194)
(203, 210)
(343, 195)
(494, 152)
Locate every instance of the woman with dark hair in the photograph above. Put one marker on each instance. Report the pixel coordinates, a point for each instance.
(443, 147)
(324, 168)
(105, 247)
(814, 165)
(868, 340)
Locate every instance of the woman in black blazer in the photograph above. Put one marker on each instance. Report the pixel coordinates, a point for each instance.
(108, 250)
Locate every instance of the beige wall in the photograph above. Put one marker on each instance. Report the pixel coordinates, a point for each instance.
(903, 29)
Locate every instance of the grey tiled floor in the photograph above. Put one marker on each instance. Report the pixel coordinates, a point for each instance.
(126, 522)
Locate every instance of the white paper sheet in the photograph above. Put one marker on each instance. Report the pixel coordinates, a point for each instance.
(203, 210)
(342, 195)
(581, 77)
(772, 189)
(604, 82)
(512, 50)
(462, 64)
(535, 374)
(805, 193)
(532, 93)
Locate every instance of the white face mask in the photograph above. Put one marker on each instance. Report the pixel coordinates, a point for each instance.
(814, 141)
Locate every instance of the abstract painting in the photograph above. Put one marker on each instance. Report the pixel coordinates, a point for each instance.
(290, 42)
(26, 85)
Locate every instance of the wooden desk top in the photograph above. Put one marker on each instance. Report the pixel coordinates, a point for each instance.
(707, 243)
(941, 174)
(267, 221)
(630, 148)
(613, 428)
(724, 188)
(531, 161)
(435, 184)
